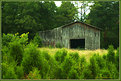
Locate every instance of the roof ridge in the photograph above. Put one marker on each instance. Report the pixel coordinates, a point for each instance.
(73, 23)
(82, 23)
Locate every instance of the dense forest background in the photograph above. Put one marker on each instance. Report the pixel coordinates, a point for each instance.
(33, 17)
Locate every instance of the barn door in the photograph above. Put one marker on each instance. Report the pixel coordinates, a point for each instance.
(77, 43)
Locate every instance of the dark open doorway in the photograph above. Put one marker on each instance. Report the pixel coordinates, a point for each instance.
(77, 43)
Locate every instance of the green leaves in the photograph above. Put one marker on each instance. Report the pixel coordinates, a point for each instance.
(25, 61)
(16, 51)
(111, 54)
(65, 13)
(37, 40)
(105, 15)
(31, 53)
(60, 55)
(27, 17)
(34, 74)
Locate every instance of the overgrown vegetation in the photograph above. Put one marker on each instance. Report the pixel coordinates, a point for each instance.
(22, 60)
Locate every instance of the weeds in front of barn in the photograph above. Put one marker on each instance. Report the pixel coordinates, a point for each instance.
(23, 60)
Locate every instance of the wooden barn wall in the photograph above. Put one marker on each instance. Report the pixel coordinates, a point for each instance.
(51, 37)
(80, 31)
(75, 31)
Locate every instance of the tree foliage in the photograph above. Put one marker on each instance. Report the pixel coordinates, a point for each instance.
(29, 17)
(65, 13)
(45, 15)
(105, 15)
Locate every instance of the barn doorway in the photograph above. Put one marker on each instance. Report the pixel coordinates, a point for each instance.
(77, 43)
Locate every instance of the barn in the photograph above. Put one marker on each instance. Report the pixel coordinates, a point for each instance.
(73, 35)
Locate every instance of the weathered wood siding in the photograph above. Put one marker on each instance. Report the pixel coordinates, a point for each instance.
(63, 35)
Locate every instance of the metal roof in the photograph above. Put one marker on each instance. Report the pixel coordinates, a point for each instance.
(63, 26)
(81, 23)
